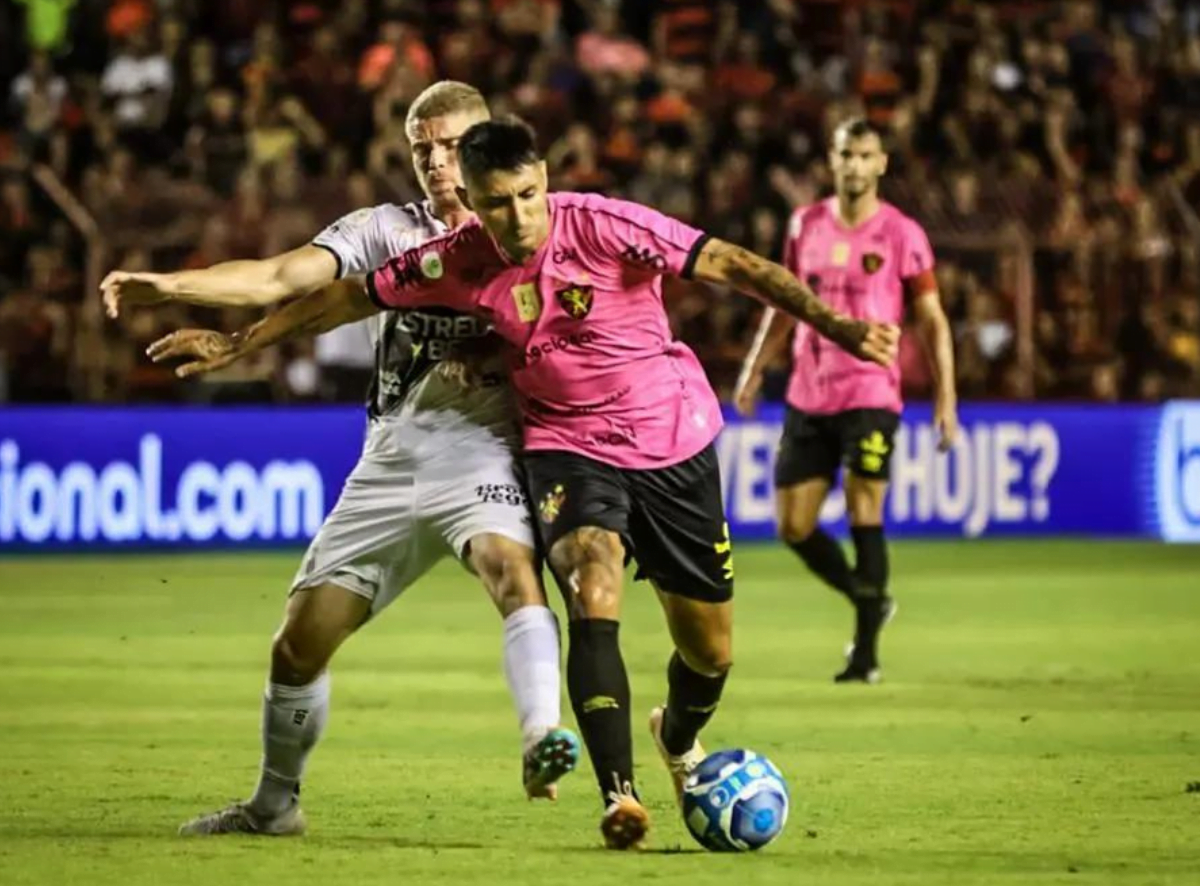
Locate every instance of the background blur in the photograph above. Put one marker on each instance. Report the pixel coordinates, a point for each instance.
(1052, 149)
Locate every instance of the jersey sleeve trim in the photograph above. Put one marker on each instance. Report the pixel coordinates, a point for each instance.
(337, 257)
(689, 266)
(373, 293)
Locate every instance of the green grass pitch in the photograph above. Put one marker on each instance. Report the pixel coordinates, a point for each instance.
(1040, 724)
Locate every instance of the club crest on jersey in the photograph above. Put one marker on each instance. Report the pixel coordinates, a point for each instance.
(431, 266)
(872, 262)
(576, 300)
(551, 504)
(527, 302)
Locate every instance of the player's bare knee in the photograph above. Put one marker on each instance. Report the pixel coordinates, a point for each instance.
(795, 528)
(711, 659)
(294, 661)
(864, 502)
(589, 565)
(508, 572)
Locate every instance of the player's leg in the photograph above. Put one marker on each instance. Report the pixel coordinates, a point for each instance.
(483, 517)
(366, 552)
(582, 511)
(316, 621)
(509, 571)
(682, 541)
(804, 471)
(867, 448)
(696, 674)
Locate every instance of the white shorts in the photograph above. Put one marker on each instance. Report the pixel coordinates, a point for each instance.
(392, 523)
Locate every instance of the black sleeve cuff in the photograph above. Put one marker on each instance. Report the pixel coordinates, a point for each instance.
(373, 293)
(341, 266)
(689, 266)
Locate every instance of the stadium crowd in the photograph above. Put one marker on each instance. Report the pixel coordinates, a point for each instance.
(1052, 150)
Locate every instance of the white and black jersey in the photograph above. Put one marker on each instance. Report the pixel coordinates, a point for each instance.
(437, 464)
(409, 344)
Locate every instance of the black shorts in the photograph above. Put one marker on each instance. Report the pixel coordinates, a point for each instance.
(671, 520)
(814, 446)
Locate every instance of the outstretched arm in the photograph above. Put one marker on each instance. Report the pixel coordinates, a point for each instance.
(773, 332)
(776, 286)
(335, 305)
(229, 284)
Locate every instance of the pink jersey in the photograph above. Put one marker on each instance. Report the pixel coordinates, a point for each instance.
(598, 372)
(864, 272)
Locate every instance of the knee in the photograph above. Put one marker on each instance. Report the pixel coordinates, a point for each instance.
(714, 658)
(796, 527)
(864, 502)
(295, 662)
(589, 566)
(508, 572)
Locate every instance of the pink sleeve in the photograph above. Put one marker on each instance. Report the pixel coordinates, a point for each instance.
(643, 238)
(916, 255)
(424, 275)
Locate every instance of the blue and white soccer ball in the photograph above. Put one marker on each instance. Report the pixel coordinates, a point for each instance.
(735, 801)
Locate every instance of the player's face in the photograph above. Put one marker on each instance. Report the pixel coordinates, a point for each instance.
(435, 154)
(512, 205)
(857, 164)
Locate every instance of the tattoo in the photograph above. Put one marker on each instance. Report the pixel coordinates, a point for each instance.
(777, 286)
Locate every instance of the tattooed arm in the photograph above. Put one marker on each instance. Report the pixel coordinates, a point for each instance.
(776, 286)
(336, 305)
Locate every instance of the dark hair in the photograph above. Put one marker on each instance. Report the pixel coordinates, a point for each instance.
(858, 127)
(507, 143)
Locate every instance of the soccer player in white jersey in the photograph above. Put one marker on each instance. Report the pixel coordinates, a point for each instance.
(436, 477)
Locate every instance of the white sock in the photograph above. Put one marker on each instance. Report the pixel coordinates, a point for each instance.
(293, 720)
(531, 664)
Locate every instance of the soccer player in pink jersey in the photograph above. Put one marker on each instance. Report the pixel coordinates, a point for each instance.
(867, 259)
(618, 420)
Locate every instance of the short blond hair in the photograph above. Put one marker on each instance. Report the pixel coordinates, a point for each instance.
(443, 98)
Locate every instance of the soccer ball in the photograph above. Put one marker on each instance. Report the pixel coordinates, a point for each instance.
(735, 801)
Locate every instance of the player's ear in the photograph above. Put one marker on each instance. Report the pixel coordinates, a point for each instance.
(463, 198)
(543, 175)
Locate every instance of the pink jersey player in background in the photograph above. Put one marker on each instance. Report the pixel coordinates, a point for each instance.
(867, 259)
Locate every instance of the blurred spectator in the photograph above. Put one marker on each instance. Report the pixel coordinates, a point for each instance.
(37, 98)
(217, 144)
(46, 23)
(1052, 151)
(603, 50)
(137, 84)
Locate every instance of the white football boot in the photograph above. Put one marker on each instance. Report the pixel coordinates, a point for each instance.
(239, 818)
(680, 766)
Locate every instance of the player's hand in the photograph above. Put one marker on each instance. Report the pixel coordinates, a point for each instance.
(463, 373)
(945, 422)
(134, 290)
(212, 350)
(745, 393)
(880, 344)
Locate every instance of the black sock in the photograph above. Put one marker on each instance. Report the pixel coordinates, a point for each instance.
(599, 689)
(823, 555)
(871, 572)
(691, 701)
(871, 560)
